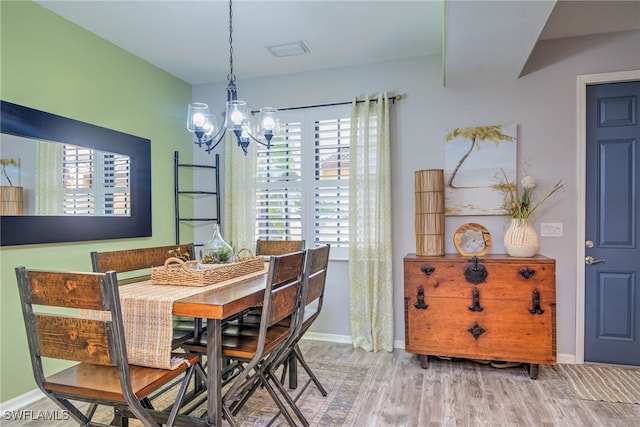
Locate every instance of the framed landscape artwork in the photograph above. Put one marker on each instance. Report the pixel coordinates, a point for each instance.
(477, 159)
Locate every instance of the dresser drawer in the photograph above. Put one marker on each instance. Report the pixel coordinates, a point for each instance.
(508, 330)
(511, 279)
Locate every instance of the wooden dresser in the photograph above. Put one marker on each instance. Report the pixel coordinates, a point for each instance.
(494, 307)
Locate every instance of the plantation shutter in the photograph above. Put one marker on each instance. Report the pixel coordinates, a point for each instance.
(302, 180)
(279, 186)
(331, 179)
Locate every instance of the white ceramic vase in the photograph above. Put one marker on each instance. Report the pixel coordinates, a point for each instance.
(521, 239)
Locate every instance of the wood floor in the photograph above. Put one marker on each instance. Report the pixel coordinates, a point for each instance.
(454, 393)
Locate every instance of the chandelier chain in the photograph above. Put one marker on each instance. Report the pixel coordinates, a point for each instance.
(231, 77)
(203, 125)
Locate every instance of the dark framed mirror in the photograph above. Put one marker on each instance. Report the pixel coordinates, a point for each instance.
(78, 181)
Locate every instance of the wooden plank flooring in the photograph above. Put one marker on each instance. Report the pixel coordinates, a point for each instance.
(453, 393)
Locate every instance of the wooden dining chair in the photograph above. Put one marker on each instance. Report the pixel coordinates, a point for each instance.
(92, 334)
(256, 347)
(127, 262)
(278, 247)
(266, 248)
(314, 281)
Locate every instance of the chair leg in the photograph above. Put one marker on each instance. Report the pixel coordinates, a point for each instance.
(247, 394)
(146, 403)
(279, 403)
(180, 396)
(119, 418)
(290, 365)
(229, 416)
(293, 371)
(75, 413)
(238, 395)
(285, 367)
(280, 384)
(298, 354)
(199, 379)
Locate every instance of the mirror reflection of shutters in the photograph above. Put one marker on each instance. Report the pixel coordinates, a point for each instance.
(95, 183)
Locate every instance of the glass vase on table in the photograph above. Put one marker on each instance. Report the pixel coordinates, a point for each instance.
(217, 250)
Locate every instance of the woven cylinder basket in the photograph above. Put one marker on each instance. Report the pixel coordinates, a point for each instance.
(11, 200)
(429, 219)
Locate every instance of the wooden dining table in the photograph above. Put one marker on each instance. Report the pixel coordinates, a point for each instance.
(215, 305)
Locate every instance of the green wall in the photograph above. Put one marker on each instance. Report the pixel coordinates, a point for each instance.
(50, 64)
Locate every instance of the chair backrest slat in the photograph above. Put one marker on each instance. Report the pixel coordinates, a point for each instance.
(316, 287)
(288, 270)
(316, 274)
(76, 339)
(284, 302)
(64, 289)
(278, 247)
(136, 259)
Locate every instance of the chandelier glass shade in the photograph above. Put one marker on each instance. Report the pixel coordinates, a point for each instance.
(237, 118)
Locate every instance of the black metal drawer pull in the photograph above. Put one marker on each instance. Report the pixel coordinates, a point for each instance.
(535, 301)
(476, 301)
(526, 272)
(420, 304)
(427, 269)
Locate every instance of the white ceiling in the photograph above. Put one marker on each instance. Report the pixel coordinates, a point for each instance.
(189, 39)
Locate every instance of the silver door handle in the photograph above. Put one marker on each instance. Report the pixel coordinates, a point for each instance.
(590, 260)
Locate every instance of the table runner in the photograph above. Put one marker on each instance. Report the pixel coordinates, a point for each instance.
(147, 312)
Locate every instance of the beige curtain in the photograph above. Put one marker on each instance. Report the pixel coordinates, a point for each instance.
(49, 192)
(370, 254)
(239, 220)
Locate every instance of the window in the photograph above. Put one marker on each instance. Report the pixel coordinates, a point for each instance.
(95, 182)
(302, 187)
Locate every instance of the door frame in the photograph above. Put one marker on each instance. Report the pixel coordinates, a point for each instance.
(581, 155)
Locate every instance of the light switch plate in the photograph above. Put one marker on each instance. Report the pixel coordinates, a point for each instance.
(551, 229)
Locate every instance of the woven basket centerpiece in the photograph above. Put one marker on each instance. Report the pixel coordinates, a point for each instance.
(188, 273)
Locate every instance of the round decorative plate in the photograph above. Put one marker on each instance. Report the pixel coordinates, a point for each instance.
(472, 239)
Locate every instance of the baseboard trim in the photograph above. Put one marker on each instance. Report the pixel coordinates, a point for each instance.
(567, 359)
(319, 336)
(21, 402)
(341, 339)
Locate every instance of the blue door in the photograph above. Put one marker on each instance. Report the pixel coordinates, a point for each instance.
(612, 264)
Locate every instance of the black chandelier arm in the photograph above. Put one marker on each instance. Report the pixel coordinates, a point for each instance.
(212, 142)
(266, 144)
(244, 139)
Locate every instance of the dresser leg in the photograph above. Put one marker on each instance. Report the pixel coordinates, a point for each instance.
(533, 371)
(424, 361)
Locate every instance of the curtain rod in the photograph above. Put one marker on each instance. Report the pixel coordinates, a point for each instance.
(393, 100)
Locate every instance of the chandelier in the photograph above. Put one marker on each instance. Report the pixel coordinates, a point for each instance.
(237, 119)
